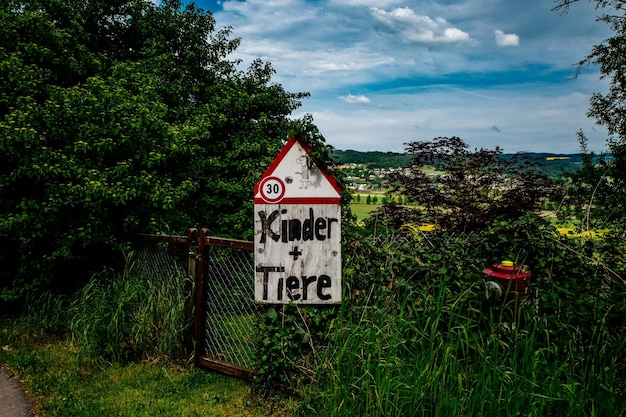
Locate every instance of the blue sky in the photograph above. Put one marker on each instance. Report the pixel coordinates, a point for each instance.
(385, 72)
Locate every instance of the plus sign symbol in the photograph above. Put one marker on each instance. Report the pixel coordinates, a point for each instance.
(295, 253)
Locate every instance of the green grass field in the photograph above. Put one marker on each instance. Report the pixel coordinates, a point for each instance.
(359, 206)
(362, 210)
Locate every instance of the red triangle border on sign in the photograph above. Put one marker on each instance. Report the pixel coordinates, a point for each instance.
(300, 200)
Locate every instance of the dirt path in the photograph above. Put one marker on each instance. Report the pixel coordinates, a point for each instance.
(13, 400)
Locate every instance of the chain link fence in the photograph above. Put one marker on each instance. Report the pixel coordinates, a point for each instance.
(230, 311)
(221, 273)
(161, 260)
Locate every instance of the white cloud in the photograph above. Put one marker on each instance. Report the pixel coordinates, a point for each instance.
(360, 99)
(268, 18)
(455, 35)
(419, 28)
(545, 118)
(413, 61)
(301, 69)
(506, 39)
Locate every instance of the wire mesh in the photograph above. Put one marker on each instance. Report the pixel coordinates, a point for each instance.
(228, 315)
(161, 260)
(231, 314)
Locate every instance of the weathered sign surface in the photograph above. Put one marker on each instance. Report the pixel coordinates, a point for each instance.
(297, 231)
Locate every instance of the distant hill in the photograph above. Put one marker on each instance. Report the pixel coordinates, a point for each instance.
(551, 163)
(373, 159)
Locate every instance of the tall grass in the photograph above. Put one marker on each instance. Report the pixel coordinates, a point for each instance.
(118, 315)
(431, 353)
(131, 314)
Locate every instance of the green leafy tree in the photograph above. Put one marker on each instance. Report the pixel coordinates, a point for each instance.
(119, 117)
(600, 187)
(582, 196)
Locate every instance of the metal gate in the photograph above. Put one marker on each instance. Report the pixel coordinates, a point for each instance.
(224, 313)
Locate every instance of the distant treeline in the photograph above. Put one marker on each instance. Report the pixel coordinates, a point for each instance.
(373, 159)
(551, 163)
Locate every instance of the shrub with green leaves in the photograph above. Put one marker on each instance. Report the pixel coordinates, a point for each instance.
(123, 117)
(288, 339)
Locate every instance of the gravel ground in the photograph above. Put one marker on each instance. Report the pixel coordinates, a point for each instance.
(13, 399)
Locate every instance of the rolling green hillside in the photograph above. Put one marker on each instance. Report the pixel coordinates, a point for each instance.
(551, 163)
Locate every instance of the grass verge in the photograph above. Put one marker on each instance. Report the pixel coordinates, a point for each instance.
(59, 385)
(117, 347)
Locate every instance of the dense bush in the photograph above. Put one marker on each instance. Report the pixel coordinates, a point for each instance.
(288, 341)
(123, 117)
(415, 335)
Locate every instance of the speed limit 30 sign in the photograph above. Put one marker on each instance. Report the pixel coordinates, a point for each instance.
(272, 189)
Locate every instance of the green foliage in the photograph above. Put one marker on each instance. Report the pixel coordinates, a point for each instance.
(587, 198)
(130, 315)
(372, 159)
(124, 117)
(436, 358)
(605, 184)
(289, 337)
(415, 335)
